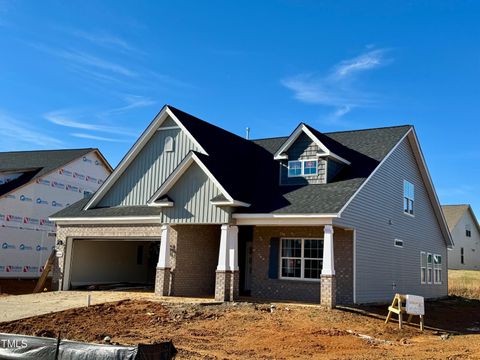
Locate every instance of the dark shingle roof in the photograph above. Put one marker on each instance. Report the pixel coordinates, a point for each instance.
(35, 164)
(75, 210)
(248, 172)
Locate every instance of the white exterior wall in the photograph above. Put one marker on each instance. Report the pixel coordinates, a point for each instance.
(26, 235)
(471, 245)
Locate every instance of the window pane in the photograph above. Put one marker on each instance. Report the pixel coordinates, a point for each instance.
(313, 269)
(424, 275)
(310, 167)
(294, 168)
(313, 249)
(291, 268)
(429, 275)
(429, 258)
(291, 248)
(423, 259)
(405, 205)
(411, 206)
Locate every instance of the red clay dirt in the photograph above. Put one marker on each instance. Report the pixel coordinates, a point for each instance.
(266, 331)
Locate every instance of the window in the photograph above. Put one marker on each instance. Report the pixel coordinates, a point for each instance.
(168, 144)
(301, 259)
(462, 256)
(302, 167)
(294, 168)
(468, 230)
(398, 243)
(429, 268)
(408, 197)
(437, 263)
(423, 267)
(310, 167)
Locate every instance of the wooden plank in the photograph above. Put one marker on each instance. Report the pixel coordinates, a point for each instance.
(46, 270)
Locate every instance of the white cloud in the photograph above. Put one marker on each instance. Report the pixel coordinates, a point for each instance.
(338, 87)
(367, 61)
(17, 133)
(132, 102)
(95, 137)
(63, 118)
(104, 39)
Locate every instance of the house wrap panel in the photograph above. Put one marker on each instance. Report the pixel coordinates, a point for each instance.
(26, 235)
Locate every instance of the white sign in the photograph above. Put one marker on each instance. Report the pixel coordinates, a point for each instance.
(415, 305)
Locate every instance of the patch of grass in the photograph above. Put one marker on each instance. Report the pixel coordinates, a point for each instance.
(464, 283)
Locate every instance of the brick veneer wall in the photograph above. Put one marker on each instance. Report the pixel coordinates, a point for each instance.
(309, 291)
(194, 259)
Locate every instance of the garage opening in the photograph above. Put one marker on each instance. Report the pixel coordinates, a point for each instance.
(114, 264)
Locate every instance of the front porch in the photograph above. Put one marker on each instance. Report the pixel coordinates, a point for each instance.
(294, 263)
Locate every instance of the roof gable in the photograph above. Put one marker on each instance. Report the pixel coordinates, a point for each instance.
(35, 164)
(302, 128)
(157, 198)
(165, 114)
(453, 214)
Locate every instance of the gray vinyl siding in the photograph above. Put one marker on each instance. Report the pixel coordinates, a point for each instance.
(150, 168)
(471, 245)
(376, 214)
(303, 149)
(191, 195)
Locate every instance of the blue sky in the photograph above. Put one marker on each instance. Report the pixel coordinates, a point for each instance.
(95, 73)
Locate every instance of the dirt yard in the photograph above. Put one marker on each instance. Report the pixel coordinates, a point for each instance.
(268, 331)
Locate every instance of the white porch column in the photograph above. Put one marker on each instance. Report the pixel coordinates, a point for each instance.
(162, 279)
(164, 256)
(328, 267)
(227, 282)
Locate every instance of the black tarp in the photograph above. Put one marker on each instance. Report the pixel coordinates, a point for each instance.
(14, 346)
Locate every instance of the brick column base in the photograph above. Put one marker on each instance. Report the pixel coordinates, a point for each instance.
(227, 285)
(162, 282)
(328, 291)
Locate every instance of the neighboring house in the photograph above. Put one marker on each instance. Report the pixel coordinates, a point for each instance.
(465, 232)
(342, 217)
(33, 186)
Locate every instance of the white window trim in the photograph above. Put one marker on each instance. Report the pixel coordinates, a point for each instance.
(302, 260)
(437, 267)
(413, 200)
(423, 267)
(395, 243)
(431, 268)
(302, 168)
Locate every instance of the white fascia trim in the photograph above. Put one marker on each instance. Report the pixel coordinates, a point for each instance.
(432, 192)
(107, 220)
(180, 170)
(296, 133)
(335, 156)
(283, 216)
(279, 155)
(373, 173)
(284, 219)
(161, 204)
(230, 203)
(135, 149)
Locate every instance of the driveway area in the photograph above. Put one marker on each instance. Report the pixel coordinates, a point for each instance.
(16, 307)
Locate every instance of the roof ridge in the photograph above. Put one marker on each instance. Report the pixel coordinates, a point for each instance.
(45, 150)
(337, 132)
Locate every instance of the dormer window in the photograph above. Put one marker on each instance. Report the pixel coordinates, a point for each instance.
(302, 168)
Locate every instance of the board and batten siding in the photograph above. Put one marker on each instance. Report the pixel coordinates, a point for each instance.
(470, 245)
(191, 195)
(303, 149)
(149, 169)
(377, 216)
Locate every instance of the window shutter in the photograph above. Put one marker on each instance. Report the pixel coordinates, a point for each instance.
(274, 258)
